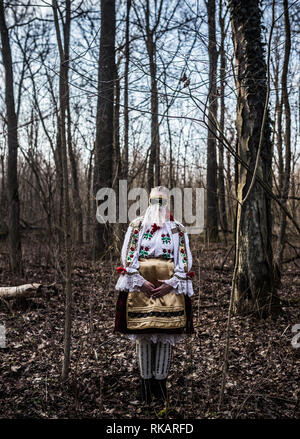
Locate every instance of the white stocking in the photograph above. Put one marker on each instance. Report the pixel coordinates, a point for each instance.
(163, 356)
(143, 352)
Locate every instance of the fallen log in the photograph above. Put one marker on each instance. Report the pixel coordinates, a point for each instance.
(25, 290)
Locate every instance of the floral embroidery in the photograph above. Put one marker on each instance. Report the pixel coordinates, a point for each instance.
(148, 235)
(132, 245)
(131, 253)
(182, 250)
(154, 228)
(144, 251)
(167, 253)
(166, 238)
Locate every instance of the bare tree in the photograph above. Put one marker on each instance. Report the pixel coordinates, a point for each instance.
(254, 289)
(15, 251)
(63, 43)
(284, 158)
(103, 169)
(221, 185)
(125, 155)
(211, 158)
(149, 34)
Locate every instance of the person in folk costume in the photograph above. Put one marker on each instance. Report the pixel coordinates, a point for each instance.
(154, 306)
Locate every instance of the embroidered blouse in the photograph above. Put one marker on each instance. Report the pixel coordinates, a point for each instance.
(168, 241)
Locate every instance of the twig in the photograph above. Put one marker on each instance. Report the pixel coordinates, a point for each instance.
(264, 395)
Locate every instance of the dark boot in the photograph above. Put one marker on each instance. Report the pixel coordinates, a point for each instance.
(159, 389)
(145, 390)
(155, 388)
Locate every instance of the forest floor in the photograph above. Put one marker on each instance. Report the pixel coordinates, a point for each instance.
(263, 374)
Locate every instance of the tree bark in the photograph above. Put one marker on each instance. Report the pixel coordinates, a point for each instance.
(254, 290)
(153, 178)
(15, 251)
(117, 170)
(74, 173)
(63, 47)
(26, 290)
(125, 154)
(59, 185)
(103, 169)
(221, 185)
(285, 171)
(211, 176)
(89, 192)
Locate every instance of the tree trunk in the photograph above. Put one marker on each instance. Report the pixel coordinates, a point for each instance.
(221, 185)
(126, 111)
(154, 161)
(63, 47)
(74, 173)
(15, 251)
(103, 170)
(211, 177)
(3, 197)
(285, 171)
(117, 228)
(254, 287)
(229, 186)
(89, 221)
(59, 185)
(117, 170)
(294, 203)
(27, 290)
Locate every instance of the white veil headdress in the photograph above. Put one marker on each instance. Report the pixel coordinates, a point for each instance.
(156, 213)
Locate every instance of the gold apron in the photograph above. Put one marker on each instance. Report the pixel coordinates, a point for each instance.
(167, 312)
